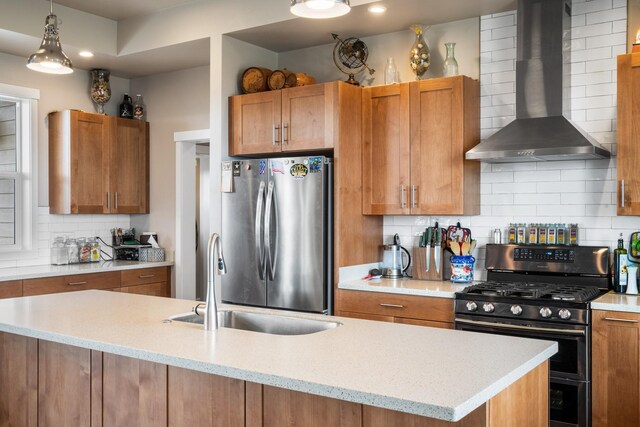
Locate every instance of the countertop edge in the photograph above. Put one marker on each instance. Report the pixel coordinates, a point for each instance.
(74, 269)
(451, 414)
(351, 286)
(615, 307)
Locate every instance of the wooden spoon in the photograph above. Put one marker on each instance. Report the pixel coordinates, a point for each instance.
(455, 247)
(466, 246)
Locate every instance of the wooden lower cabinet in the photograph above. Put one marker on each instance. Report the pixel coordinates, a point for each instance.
(616, 369)
(76, 282)
(153, 289)
(49, 384)
(398, 308)
(11, 289)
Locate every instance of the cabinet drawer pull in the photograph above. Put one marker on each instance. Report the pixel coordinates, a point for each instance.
(116, 200)
(285, 134)
(275, 134)
(382, 304)
(622, 194)
(615, 319)
(413, 196)
(76, 283)
(108, 200)
(146, 276)
(403, 203)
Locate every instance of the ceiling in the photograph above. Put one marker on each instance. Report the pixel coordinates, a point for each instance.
(121, 9)
(301, 33)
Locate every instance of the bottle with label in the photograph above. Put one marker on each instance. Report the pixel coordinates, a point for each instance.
(126, 107)
(573, 235)
(512, 233)
(522, 234)
(139, 112)
(551, 234)
(533, 234)
(390, 72)
(95, 250)
(561, 234)
(542, 234)
(620, 267)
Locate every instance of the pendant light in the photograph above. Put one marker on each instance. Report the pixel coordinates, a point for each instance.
(50, 58)
(320, 9)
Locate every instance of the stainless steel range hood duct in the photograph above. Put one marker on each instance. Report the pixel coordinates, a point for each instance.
(542, 130)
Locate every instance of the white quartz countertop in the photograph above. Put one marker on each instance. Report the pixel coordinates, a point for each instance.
(427, 288)
(37, 271)
(437, 373)
(617, 302)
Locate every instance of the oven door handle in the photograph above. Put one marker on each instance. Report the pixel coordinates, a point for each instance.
(520, 327)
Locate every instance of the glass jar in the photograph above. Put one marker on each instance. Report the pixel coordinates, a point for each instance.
(139, 112)
(84, 249)
(95, 250)
(59, 255)
(420, 55)
(390, 72)
(72, 251)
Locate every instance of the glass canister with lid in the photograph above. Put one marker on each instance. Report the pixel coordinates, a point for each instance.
(95, 250)
(59, 254)
(72, 251)
(84, 248)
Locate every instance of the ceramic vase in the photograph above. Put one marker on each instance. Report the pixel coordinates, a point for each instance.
(100, 88)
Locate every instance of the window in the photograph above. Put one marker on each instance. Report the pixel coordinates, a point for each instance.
(18, 130)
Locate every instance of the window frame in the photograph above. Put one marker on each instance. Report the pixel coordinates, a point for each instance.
(25, 176)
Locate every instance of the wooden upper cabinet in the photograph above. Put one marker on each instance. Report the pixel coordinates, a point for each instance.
(616, 368)
(308, 117)
(386, 149)
(288, 120)
(445, 124)
(628, 193)
(415, 139)
(97, 164)
(129, 181)
(254, 123)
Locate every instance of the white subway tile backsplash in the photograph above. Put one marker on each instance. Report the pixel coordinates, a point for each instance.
(585, 198)
(498, 22)
(606, 40)
(601, 114)
(536, 199)
(563, 187)
(504, 54)
(608, 64)
(581, 7)
(558, 210)
(601, 89)
(536, 176)
(592, 30)
(493, 177)
(514, 188)
(503, 32)
(504, 99)
(591, 54)
(591, 102)
(583, 79)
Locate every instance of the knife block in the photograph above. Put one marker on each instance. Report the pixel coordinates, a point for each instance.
(420, 264)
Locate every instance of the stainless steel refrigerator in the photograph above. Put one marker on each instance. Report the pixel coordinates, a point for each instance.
(277, 233)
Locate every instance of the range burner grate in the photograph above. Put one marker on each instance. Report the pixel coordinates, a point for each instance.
(558, 292)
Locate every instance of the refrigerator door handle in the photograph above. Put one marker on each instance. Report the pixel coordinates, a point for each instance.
(271, 257)
(259, 234)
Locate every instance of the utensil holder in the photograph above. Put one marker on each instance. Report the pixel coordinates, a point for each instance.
(420, 264)
(462, 268)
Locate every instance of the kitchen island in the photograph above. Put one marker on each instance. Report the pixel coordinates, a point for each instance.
(104, 358)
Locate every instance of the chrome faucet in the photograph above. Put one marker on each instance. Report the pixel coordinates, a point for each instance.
(211, 308)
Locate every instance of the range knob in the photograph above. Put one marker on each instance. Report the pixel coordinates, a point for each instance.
(488, 307)
(564, 314)
(516, 309)
(472, 306)
(545, 312)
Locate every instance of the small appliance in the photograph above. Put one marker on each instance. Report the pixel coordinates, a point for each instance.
(393, 265)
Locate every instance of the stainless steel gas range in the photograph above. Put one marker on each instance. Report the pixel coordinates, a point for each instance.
(543, 292)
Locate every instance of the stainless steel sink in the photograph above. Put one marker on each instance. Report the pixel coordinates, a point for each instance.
(264, 323)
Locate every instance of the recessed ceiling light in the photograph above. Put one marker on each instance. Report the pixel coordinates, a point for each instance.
(377, 9)
(86, 54)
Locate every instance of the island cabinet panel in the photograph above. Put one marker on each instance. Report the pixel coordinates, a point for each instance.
(410, 309)
(134, 392)
(200, 399)
(11, 289)
(18, 380)
(287, 408)
(628, 183)
(378, 417)
(76, 282)
(64, 385)
(616, 368)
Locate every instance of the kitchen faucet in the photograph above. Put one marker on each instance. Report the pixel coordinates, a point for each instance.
(211, 308)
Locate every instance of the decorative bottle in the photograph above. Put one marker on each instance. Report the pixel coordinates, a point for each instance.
(450, 63)
(100, 88)
(126, 107)
(139, 108)
(420, 55)
(390, 72)
(620, 267)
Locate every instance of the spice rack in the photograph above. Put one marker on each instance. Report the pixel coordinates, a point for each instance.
(543, 234)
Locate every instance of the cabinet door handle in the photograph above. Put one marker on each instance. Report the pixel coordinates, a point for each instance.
(116, 200)
(615, 319)
(285, 134)
(403, 201)
(382, 304)
(622, 194)
(108, 200)
(413, 196)
(146, 276)
(276, 128)
(76, 283)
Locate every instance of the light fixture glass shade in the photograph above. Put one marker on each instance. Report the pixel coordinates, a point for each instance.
(320, 9)
(50, 58)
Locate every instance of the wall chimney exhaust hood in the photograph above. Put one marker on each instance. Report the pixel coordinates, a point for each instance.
(541, 130)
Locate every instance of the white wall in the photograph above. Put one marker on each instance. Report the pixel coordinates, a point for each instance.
(58, 92)
(318, 61)
(176, 101)
(582, 192)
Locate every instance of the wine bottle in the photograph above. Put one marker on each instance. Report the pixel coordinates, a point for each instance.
(620, 267)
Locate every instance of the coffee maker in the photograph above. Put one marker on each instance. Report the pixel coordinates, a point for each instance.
(393, 265)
